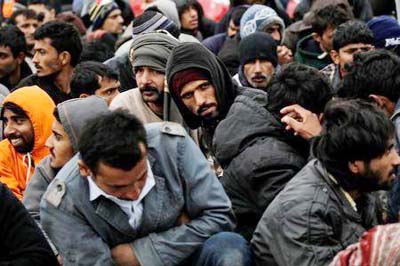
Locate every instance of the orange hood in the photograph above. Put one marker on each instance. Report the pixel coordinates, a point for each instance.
(39, 107)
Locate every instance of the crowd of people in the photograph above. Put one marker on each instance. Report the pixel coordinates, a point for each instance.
(165, 138)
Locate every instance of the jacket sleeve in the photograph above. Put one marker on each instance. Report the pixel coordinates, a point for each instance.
(69, 232)
(207, 205)
(34, 191)
(6, 175)
(301, 235)
(21, 240)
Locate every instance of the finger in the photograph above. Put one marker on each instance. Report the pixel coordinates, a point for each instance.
(290, 108)
(291, 122)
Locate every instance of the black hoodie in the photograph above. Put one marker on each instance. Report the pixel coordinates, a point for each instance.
(258, 157)
(195, 55)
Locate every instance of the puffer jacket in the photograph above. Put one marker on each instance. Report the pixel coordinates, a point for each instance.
(311, 220)
(16, 169)
(257, 155)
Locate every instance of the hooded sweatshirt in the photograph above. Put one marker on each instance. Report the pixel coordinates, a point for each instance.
(73, 114)
(257, 155)
(16, 169)
(195, 55)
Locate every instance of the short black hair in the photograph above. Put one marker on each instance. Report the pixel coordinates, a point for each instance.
(14, 38)
(373, 72)
(353, 130)
(97, 50)
(85, 78)
(298, 84)
(28, 13)
(16, 109)
(113, 139)
(237, 15)
(56, 115)
(350, 32)
(63, 36)
(328, 16)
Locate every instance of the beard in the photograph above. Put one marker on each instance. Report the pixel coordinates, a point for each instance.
(152, 95)
(26, 145)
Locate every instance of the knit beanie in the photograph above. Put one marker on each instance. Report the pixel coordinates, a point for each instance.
(183, 77)
(257, 17)
(151, 21)
(99, 12)
(386, 32)
(258, 45)
(152, 50)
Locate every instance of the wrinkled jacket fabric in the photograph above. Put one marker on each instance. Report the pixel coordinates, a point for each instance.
(73, 115)
(21, 242)
(310, 221)
(184, 182)
(257, 155)
(14, 166)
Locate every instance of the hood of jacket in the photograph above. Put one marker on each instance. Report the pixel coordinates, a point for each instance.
(247, 120)
(75, 113)
(39, 108)
(195, 55)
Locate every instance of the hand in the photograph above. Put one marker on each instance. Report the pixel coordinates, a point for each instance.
(183, 219)
(60, 260)
(124, 255)
(285, 55)
(303, 122)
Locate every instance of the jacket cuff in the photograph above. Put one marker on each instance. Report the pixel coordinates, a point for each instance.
(146, 253)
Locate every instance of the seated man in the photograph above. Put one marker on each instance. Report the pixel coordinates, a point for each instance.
(21, 241)
(349, 38)
(27, 118)
(13, 66)
(70, 117)
(95, 78)
(260, 158)
(150, 198)
(327, 205)
(313, 49)
(258, 60)
(148, 56)
(26, 20)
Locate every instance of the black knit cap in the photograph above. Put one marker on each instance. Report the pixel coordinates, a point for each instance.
(258, 45)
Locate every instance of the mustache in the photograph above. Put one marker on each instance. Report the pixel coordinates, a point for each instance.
(259, 76)
(149, 89)
(203, 108)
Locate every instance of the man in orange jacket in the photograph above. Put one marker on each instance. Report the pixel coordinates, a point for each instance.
(27, 115)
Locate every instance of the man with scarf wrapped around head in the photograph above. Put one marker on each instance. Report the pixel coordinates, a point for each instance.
(201, 87)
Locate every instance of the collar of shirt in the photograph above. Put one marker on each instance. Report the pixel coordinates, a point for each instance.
(96, 192)
(345, 193)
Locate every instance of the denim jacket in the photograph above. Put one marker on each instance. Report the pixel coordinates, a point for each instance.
(84, 231)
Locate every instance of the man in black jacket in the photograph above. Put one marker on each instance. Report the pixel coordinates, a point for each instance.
(21, 241)
(327, 205)
(256, 152)
(57, 50)
(201, 87)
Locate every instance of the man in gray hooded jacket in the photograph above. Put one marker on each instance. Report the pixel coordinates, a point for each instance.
(70, 116)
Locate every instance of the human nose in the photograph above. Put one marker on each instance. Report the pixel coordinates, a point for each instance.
(396, 158)
(257, 66)
(35, 58)
(199, 98)
(49, 141)
(120, 19)
(8, 129)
